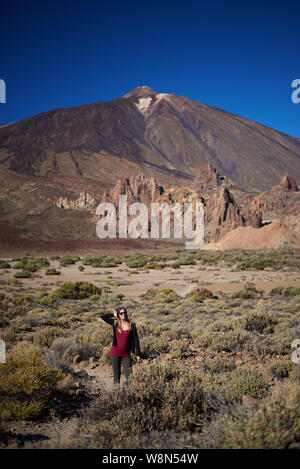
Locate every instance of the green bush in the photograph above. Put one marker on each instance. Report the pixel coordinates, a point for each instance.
(185, 260)
(52, 272)
(166, 296)
(155, 265)
(135, 263)
(27, 384)
(285, 291)
(67, 260)
(47, 300)
(23, 274)
(76, 291)
(41, 262)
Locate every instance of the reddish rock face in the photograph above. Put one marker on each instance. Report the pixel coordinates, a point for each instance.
(223, 210)
(222, 213)
(207, 177)
(138, 188)
(281, 200)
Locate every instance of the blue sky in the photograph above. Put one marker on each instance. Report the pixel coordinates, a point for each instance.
(241, 58)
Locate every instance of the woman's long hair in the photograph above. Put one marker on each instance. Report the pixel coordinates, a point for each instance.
(119, 322)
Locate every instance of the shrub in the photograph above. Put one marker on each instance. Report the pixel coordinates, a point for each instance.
(22, 274)
(261, 322)
(90, 260)
(155, 265)
(285, 291)
(23, 299)
(185, 260)
(76, 291)
(275, 344)
(257, 262)
(178, 348)
(47, 300)
(66, 260)
(154, 346)
(29, 265)
(46, 336)
(249, 291)
(273, 425)
(4, 265)
(200, 292)
(85, 350)
(161, 397)
(281, 368)
(219, 365)
(231, 341)
(166, 296)
(52, 272)
(244, 381)
(81, 268)
(294, 375)
(135, 263)
(26, 384)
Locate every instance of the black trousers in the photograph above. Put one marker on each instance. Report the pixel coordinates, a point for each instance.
(116, 364)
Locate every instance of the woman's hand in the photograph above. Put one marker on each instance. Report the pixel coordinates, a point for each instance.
(115, 314)
(138, 359)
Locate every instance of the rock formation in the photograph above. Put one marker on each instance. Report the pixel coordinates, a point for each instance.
(84, 201)
(288, 183)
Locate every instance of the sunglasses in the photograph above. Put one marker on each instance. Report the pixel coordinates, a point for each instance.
(123, 312)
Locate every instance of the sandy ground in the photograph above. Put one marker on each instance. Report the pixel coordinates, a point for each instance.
(180, 280)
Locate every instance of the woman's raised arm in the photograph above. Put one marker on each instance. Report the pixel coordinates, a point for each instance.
(108, 317)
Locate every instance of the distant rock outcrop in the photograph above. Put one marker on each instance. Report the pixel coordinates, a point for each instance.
(84, 200)
(288, 183)
(282, 233)
(207, 177)
(281, 200)
(139, 188)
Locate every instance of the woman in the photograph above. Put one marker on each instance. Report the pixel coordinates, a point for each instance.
(125, 340)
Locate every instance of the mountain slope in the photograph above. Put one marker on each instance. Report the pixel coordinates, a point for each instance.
(160, 134)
